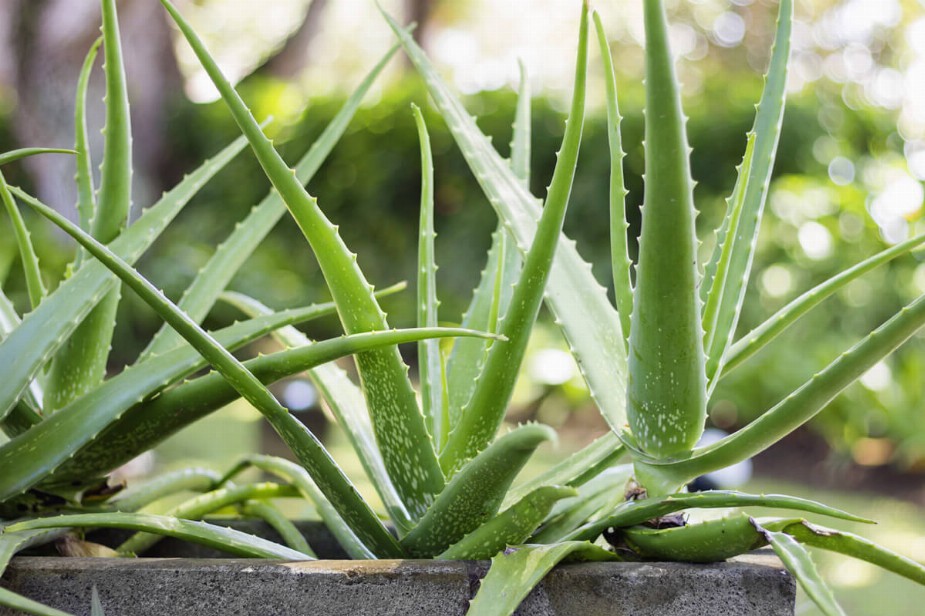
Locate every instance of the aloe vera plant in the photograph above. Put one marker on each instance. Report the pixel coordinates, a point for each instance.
(652, 363)
(441, 473)
(447, 481)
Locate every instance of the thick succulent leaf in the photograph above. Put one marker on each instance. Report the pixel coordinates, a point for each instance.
(278, 521)
(25, 605)
(301, 481)
(600, 495)
(186, 479)
(397, 420)
(492, 296)
(86, 199)
(718, 272)
(513, 574)
(116, 170)
(798, 562)
(512, 526)
(26, 412)
(26, 350)
(731, 289)
(345, 400)
(30, 261)
(467, 358)
(485, 411)
(756, 339)
(215, 275)
(56, 447)
(10, 544)
(96, 608)
(475, 493)
(702, 542)
(619, 255)
(666, 397)
(521, 137)
(797, 408)
(577, 468)
(151, 421)
(580, 304)
(202, 505)
(14, 155)
(306, 447)
(225, 539)
(849, 544)
(636, 512)
(80, 364)
(430, 358)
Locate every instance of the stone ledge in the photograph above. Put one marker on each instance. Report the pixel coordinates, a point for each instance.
(751, 585)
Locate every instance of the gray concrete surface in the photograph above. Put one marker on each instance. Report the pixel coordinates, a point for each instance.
(753, 585)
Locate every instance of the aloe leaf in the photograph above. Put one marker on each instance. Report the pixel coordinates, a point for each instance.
(288, 531)
(30, 261)
(513, 574)
(397, 420)
(580, 304)
(702, 542)
(151, 421)
(202, 505)
(619, 254)
(850, 545)
(42, 331)
(666, 397)
(756, 339)
(635, 512)
(96, 608)
(10, 544)
(476, 492)
(114, 199)
(80, 364)
(467, 358)
(25, 605)
(210, 535)
(86, 201)
(730, 290)
(574, 470)
(485, 411)
(345, 400)
(492, 297)
(26, 412)
(141, 495)
(302, 482)
(800, 406)
(601, 494)
(430, 359)
(53, 450)
(521, 138)
(512, 526)
(14, 155)
(247, 235)
(306, 447)
(718, 271)
(798, 562)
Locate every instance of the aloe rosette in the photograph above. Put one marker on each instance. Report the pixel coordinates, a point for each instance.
(676, 318)
(447, 481)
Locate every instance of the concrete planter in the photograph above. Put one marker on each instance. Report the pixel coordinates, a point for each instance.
(753, 585)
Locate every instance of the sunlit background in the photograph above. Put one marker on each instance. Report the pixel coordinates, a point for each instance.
(848, 183)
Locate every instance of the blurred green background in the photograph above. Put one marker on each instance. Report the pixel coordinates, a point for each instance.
(847, 184)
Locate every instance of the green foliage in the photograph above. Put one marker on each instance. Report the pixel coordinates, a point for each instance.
(446, 478)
